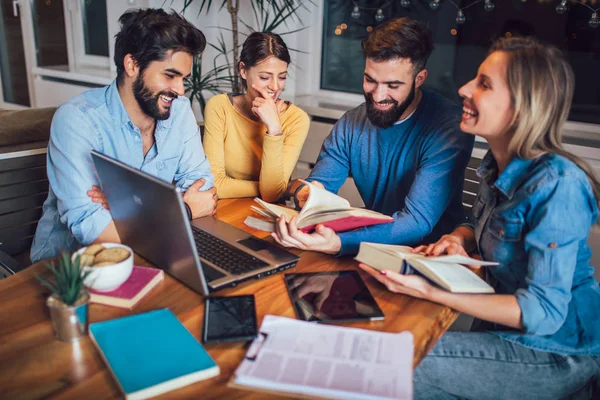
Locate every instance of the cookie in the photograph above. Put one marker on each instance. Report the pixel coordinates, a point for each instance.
(103, 264)
(94, 249)
(113, 255)
(86, 259)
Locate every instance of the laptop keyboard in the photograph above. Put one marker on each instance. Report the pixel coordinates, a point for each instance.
(224, 255)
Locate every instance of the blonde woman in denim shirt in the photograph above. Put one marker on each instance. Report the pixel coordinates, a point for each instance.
(541, 333)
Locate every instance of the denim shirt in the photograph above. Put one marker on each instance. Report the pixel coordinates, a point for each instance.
(534, 219)
(97, 120)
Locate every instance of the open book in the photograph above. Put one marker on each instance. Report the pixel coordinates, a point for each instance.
(446, 271)
(321, 207)
(335, 362)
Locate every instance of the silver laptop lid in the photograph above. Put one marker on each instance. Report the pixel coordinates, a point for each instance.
(150, 218)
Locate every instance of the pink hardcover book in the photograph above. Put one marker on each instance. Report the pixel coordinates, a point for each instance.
(141, 281)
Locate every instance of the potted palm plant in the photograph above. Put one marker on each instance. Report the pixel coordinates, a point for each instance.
(68, 303)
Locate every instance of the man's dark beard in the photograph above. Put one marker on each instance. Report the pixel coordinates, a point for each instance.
(385, 119)
(149, 103)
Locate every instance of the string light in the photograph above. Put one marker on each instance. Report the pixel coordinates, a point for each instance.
(561, 8)
(594, 22)
(489, 5)
(379, 16)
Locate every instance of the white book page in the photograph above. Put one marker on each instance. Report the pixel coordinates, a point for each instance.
(404, 252)
(458, 259)
(260, 224)
(320, 199)
(330, 361)
(454, 277)
(263, 212)
(277, 211)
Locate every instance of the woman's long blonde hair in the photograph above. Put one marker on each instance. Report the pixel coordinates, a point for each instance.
(541, 84)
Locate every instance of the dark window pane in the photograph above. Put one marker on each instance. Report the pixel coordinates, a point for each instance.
(95, 27)
(459, 49)
(49, 29)
(12, 57)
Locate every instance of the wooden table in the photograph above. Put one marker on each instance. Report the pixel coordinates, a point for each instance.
(33, 364)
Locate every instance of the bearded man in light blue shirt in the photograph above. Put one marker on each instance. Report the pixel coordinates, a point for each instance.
(141, 119)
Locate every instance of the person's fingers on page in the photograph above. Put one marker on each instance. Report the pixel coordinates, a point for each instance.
(419, 249)
(444, 246)
(429, 249)
(381, 276)
(368, 268)
(302, 195)
(324, 239)
(282, 229)
(296, 236)
(372, 271)
(411, 285)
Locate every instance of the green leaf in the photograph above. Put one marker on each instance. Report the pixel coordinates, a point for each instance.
(68, 276)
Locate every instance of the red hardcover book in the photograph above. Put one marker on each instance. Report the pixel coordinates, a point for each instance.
(141, 281)
(321, 207)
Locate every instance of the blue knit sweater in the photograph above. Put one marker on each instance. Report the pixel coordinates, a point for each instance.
(413, 171)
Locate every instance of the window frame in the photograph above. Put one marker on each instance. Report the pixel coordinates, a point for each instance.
(76, 39)
(572, 129)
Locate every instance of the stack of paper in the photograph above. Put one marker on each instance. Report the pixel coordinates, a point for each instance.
(328, 361)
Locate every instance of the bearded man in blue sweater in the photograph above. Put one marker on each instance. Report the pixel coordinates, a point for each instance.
(403, 147)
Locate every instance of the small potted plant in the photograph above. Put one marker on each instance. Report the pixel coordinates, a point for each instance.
(68, 303)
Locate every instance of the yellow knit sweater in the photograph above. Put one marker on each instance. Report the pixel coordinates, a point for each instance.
(245, 161)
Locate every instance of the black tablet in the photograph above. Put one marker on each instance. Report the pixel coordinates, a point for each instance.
(339, 296)
(229, 319)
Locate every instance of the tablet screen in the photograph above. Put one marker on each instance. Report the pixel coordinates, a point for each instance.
(331, 297)
(228, 319)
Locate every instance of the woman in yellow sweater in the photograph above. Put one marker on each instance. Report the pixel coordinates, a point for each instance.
(253, 140)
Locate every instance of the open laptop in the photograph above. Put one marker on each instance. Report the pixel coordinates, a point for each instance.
(206, 254)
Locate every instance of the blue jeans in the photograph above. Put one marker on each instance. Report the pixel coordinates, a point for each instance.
(480, 365)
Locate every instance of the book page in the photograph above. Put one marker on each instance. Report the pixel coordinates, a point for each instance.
(331, 361)
(404, 252)
(453, 277)
(277, 211)
(260, 224)
(320, 199)
(458, 259)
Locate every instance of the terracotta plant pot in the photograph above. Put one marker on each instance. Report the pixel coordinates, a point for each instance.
(70, 322)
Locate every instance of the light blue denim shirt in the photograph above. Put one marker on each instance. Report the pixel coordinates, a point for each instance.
(97, 120)
(534, 219)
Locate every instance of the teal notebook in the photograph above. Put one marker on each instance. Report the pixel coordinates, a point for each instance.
(151, 353)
